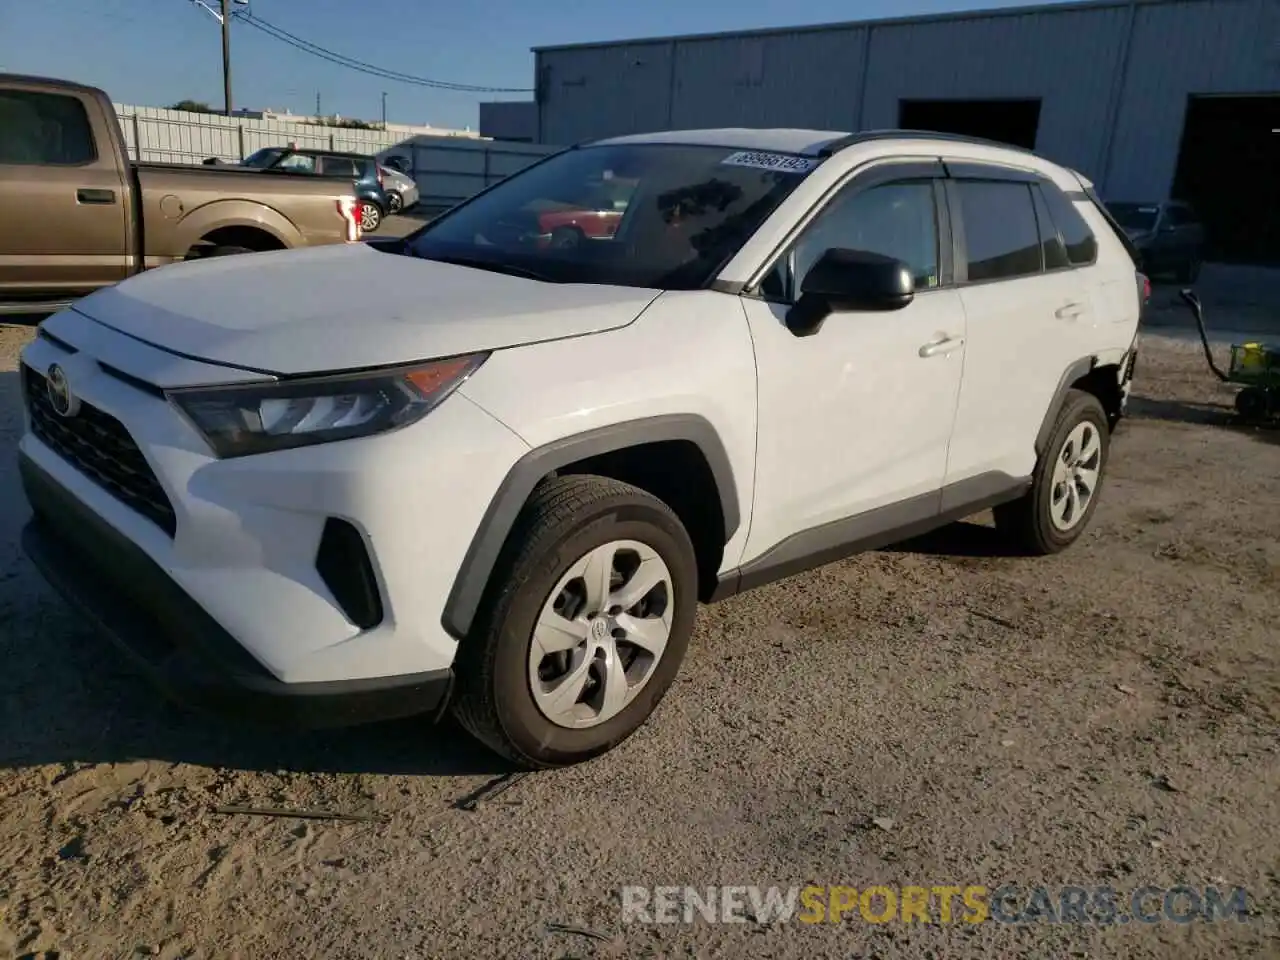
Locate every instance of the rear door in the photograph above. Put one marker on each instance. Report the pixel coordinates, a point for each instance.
(66, 216)
(1025, 324)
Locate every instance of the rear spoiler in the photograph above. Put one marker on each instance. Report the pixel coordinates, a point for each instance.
(1087, 192)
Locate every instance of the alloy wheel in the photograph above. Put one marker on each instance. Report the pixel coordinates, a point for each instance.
(1075, 476)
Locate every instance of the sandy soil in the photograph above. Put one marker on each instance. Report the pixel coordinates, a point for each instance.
(1108, 716)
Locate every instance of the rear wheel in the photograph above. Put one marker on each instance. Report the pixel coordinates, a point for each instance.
(584, 627)
(370, 217)
(1252, 403)
(228, 251)
(1067, 480)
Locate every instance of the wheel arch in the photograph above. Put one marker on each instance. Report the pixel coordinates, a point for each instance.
(599, 449)
(247, 215)
(1089, 374)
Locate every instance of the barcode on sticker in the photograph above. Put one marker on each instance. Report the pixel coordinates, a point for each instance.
(770, 161)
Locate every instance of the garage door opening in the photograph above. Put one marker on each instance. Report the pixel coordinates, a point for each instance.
(1014, 122)
(1229, 171)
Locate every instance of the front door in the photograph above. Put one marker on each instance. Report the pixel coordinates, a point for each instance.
(66, 211)
(857, 415)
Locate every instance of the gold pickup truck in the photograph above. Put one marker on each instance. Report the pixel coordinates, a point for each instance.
(77, 214)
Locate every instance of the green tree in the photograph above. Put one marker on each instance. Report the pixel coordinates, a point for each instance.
(192, 106)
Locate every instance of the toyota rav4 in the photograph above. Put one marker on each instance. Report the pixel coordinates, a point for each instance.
(502, 482)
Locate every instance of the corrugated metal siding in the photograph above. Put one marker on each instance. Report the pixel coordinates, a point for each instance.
(785, 80)
(1070, 58)
(1228, 46)
(605, 91)
(1067, 59)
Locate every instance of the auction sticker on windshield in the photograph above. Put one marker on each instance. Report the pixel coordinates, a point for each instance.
(785, 162)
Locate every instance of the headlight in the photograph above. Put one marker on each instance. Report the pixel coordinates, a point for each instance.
(256, 418)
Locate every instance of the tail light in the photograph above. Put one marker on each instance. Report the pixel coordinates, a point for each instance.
(1146, 288)
(347, 209)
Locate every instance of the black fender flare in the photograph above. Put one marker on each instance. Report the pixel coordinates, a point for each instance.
(1076, 370)
(496, 524)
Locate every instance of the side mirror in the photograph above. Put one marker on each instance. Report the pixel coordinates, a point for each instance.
(850, 280)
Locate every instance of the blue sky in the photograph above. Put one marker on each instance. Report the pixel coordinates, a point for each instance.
(155, 52)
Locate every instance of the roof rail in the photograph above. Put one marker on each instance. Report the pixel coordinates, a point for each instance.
(867, 136)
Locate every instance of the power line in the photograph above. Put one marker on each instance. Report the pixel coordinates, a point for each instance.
(306, 46)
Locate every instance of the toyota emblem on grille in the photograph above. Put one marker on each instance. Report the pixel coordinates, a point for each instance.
(64, 402)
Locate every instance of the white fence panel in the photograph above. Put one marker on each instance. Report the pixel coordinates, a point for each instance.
(447, 169)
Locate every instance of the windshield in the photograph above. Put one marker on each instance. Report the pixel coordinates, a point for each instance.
(262, 158)
(646, 215)
(1135, 216)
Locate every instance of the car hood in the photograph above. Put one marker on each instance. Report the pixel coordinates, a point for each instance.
(347, 306)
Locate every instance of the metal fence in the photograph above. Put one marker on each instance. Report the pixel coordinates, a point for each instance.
(448, 169)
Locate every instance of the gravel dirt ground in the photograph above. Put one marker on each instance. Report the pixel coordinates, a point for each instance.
(937, 713)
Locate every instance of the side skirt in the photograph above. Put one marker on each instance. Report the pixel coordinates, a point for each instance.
(876, 528)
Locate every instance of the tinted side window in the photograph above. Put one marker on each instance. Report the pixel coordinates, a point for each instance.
(298, 161)
(44, 128)
(338, 167)
(1082, 245)
(1055, 251)
(1000, 229)
(895, 219)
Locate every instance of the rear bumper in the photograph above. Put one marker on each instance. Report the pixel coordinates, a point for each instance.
(181, 648)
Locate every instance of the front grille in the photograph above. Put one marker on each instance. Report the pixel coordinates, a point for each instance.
(98, 445)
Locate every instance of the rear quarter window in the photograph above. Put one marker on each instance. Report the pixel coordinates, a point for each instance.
(1081, 244)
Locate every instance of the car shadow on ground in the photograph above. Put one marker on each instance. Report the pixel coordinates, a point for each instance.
(962, 539)
(79, 702)
(1202, 414)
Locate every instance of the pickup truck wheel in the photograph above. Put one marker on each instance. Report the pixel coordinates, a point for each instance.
(227, 251)
(370, 218)
(584, 626)
(1065, 486)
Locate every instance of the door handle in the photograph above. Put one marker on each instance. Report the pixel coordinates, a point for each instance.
(938, 348)
(88, 195)
(1069, 311)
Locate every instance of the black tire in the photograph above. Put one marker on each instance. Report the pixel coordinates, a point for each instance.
(564, 519)
(1252, 403)
(228, 251)
(395, 202)
(1027, 521)
(369, 213)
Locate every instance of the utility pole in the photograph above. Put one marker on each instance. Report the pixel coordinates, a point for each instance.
(226, 54)
(317, 104)
(384, 109)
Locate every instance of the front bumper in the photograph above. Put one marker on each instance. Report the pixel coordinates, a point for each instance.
(183, 650)
(245, 545)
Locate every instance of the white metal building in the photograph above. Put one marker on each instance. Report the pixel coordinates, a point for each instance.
(1149, 98)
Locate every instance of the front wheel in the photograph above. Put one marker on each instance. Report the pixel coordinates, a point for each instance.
(395, 202)
(370, 218)
(584, 626)
(1067, 480)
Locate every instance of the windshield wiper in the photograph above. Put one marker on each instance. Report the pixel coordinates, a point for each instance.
(480, 264)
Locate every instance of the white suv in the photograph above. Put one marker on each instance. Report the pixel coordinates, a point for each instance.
(495, 466)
